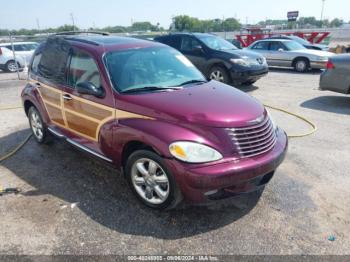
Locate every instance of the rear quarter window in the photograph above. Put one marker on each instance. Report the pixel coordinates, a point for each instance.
(53, 60)
(173, 41)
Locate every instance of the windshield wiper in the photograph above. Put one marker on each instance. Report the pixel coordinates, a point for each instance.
(194, 81)
(148, 88)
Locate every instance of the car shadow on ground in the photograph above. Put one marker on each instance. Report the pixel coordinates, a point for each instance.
(246, 88)
(291, 71)
(334, 104)
(62, 172)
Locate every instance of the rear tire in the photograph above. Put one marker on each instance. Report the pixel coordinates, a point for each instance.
(301, 65)
(39, 129)
(219, 73)
(151, 181)
(10, 66)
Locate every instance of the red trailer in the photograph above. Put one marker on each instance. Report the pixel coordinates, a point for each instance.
(256, 33)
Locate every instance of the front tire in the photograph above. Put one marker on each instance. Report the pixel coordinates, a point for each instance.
(151, 181)
(220, 74)
(38, 126)
(301, 65)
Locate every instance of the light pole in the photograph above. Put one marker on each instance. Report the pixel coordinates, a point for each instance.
(323, 1)
(72, 17)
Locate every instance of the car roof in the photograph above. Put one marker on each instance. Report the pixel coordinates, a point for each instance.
(274, 40)
(187, 33)
(105, 43)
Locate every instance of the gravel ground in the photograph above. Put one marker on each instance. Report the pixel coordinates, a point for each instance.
(72, 204)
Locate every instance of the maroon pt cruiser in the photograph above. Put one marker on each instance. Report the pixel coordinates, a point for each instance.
(143, 107)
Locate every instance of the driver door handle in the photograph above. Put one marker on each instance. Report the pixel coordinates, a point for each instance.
(67, 97)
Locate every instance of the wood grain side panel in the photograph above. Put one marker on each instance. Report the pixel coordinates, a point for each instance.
(82, 126)
(55, 114)
(87, 109)
(50, 96)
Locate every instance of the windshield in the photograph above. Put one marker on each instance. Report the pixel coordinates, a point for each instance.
(292, 45)
(301, 41)
(216, 43)
(160, 67)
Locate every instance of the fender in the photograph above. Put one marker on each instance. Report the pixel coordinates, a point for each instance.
(31, 94)
(157, 134)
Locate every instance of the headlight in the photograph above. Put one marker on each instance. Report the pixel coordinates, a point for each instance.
(272, 121)
(193, 152)
(239, 61)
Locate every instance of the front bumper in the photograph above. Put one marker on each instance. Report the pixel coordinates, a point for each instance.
(242, 76)
(230, 178)
(318, 64)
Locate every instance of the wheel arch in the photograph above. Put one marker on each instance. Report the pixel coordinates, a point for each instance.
(221, 64)
(132, 146)
(28, 104)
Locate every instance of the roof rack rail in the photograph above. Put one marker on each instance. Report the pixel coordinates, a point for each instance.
(80, 32)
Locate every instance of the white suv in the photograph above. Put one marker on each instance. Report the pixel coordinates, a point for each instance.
(23, 52)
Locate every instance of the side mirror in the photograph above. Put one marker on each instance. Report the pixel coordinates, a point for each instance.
(280, 50)
(88, 88)
(198, 49)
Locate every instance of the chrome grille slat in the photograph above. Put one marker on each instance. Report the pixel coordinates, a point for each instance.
(261, 148)
(249, 127)
(253, 140)
(252, 145)
(267, 125)
(262, 152)
(240, 139)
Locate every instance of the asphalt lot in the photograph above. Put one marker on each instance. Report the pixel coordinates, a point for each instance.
(71, 204)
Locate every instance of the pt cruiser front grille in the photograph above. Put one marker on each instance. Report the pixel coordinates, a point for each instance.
(253, 140)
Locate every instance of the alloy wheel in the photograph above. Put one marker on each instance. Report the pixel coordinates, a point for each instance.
(12, 67)
(37, 125)
(300, 66)
(217, 75)
(150, 181)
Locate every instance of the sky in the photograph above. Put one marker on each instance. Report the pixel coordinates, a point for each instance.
(92, 13)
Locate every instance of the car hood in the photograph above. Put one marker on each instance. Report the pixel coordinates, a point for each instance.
(315, 52)
(323, 47)
(211, 104)
(241, 53)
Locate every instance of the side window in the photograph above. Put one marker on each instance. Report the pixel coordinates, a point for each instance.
(261, 45)
(53, 61)
(83, 69)
(188, 43)
(275, 46)
(36, 61)
(19, 48)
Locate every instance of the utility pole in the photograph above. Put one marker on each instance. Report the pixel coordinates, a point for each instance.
(38, 24)
(323, 2)
(72, 17)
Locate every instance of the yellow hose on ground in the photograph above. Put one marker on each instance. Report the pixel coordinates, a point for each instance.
(14, 151)
(10, 107)
(314, 128)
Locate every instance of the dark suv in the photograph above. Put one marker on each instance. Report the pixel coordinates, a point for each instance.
(217, 58)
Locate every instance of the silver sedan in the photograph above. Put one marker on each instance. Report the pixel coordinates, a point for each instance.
(288, 53)
(337, 75)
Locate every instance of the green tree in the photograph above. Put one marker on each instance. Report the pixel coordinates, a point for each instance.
(66, 28)
(336, 22)
(231, 24)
